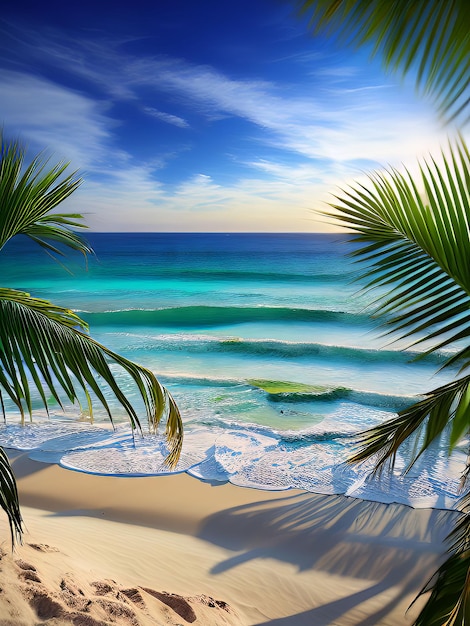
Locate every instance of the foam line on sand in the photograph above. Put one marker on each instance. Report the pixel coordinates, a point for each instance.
(102, 551)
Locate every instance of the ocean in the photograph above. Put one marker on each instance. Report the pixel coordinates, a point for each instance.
(265, 342)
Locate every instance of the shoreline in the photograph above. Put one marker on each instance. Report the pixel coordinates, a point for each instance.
(288, 558)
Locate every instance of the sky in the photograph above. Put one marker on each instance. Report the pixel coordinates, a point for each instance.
(202, 116)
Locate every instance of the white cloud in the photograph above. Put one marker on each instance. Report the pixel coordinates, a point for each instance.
(343, 123)
(199, 204)
(167, 117)
(45, 114)
(327, 136)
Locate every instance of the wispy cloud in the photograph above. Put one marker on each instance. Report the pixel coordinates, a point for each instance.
(45, 114)
(167, 117)
(316, 137)
(200, 204)
(331, 116)
(349, 123)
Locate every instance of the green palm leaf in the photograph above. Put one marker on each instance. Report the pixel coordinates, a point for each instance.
(428, 418)
(46, 347)
(27, 197)
(430, 38)
(415, 243)
(41, 347)
(9, 498)
(449, 601)
(414, 240)
(415, 246)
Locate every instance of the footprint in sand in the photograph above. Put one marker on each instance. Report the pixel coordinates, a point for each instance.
(175, 602)
(134, 595)
(44, 605)
(42, 547)
(105, 602)
(29, 572)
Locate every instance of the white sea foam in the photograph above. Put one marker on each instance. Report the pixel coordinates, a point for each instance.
(248, 457)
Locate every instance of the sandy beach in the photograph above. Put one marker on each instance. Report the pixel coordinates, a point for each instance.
(174, 550)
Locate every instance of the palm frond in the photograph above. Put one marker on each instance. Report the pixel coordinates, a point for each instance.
(42, 347)
(430, 38)
(415, 247)
(46, 347)
(27, 197)
(9, 498)
(415, 243)
(449, 600)
(428, 418)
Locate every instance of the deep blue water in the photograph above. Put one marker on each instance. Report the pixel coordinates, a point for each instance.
(221, 319)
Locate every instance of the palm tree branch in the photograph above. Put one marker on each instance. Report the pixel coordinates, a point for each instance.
(393, 225)
(9, 498)
(449, 601)
(428, 39)
(428, 418)
(38, 339)
(27, 199)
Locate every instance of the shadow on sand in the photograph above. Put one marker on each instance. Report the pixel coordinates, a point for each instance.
(390, 545)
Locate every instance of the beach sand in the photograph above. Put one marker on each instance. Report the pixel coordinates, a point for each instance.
(174, 550)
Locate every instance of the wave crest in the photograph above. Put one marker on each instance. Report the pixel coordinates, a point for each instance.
(193, 316)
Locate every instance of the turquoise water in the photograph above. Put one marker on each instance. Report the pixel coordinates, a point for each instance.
(226, 321)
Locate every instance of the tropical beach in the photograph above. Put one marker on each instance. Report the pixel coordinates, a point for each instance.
(174, 550)
(254, 526)
(243, 398)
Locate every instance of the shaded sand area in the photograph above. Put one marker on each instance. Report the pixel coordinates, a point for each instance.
(173, 550)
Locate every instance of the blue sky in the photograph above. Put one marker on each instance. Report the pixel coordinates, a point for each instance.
(202, 116)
